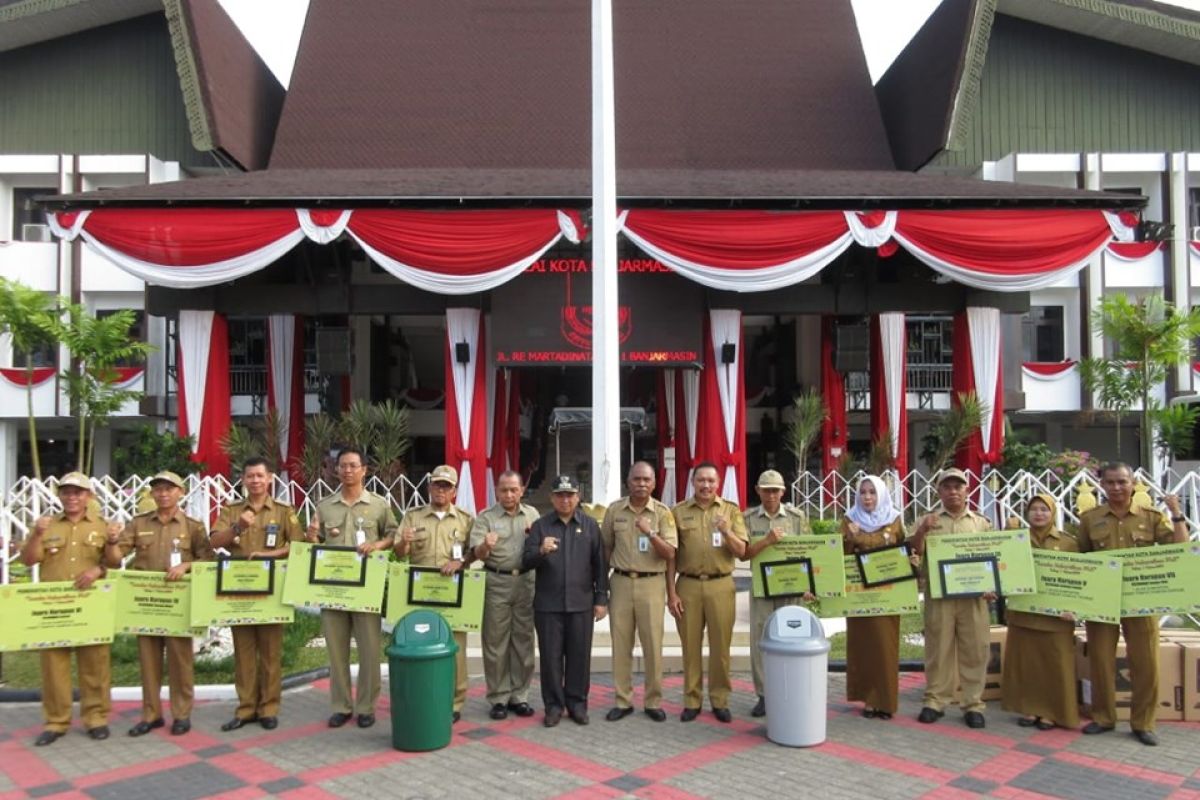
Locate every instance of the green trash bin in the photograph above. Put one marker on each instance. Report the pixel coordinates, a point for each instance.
(421, 679)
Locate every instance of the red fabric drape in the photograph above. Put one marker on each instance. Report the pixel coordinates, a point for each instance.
(880, 402)
(975, 453)
(665, 432)
(214, 407)
(499, 452)
(189, 237)
(1048, 368)
(20, 377)
(684, 457)
(712, 443)
(833, 389)
(474, 452)
(1133, 251)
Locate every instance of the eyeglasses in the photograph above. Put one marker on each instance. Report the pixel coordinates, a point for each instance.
(349, 467)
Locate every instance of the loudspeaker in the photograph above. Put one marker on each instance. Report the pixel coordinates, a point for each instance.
(851, 351)
(333, 351)
(462, 352)
(729, 353)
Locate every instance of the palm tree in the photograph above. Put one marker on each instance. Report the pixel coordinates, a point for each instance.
(28, 317)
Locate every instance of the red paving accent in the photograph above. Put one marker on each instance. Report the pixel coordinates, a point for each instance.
(248, 767)
(949, 793)
(245, 793)
(1184, 794)
(309, 793)
(585, 793)
(1005, 766)
(904, 766)
(660, 792)
(134, 770)
(579, 767)
(952, 725)
(23, 770)
(1117, 768)
(276, 736)
(360, 764)
(670, 767)
(1013, 793)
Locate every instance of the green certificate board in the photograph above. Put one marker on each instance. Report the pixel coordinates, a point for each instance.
(824, 554)
(1087, 585)
(210, 608)
(38, 616)
(967, 577)
(860, 600)
(885, 565)
(1164, 579)
(150, 605)
(335, 577)
(252, 576)
(458, 598)
(787, 578)
(1010, 549)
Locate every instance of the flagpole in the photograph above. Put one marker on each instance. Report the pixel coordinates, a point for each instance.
(606, 396)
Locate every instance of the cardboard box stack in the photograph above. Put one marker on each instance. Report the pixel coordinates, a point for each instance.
(1189, 645)
(1171, 687)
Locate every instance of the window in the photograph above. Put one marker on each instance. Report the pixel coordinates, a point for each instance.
(1193, 214)
(1044, 334)
(137, 332)
(29, 221)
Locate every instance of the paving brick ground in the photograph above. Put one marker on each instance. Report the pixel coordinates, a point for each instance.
(304, 760)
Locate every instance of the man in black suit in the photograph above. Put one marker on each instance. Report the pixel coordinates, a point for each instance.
(571, 594)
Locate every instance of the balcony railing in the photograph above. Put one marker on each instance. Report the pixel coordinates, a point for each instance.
(923, 380)
(253, 381)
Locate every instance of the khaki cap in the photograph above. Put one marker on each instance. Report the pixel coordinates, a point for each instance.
(76, 479)
(564, 484)
(771, 479)
(444, 474)
(954, 473)
(166, 476)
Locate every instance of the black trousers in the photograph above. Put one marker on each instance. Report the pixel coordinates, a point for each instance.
(565, 647)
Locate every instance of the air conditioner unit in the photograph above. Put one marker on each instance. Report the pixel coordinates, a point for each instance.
(35, 233)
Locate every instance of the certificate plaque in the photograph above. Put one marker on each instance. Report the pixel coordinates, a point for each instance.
(459, 598)
(245, 576)
(336, 566)
(827, 564)
(38, 616)
(793, 576)
(969, 577)
(885, 565)
(427, 586)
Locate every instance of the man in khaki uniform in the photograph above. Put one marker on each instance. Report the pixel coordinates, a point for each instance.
(766, 524)
(712, 536)
(353, 517)
(70, 547)
(436, 535)
(497, 539)
(164, 540)
(639, 544)
(956, 629)
(1112, 526)
(257, 527)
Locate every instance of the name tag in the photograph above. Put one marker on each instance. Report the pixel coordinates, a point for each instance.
(176, 559)
(360, 537)
(716, 538)
(272, 535)
(643, 544)
(456, 552)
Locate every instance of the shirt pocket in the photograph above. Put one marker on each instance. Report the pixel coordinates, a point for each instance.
(1103, 536)
(1142, 535)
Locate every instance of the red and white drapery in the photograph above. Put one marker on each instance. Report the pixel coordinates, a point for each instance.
(834, 434)
(754, 251)
(466, 406)
(203, 382)
(285, 385)
(721, 417)
(19, 376)
(504, 427)
(1133, 251)
(459, 252)
(678, 406)
(889, 409)
(977, 370)
(1052, 371)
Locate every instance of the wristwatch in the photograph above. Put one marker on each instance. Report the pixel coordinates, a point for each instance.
(1179, 519)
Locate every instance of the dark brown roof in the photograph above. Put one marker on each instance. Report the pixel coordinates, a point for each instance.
(239, 96)
(572, 187)
(494, 84)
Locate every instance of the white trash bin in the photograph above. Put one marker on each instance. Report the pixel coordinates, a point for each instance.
(796, 666)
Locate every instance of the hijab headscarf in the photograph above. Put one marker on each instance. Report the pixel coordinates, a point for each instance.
(883, 514)
(1052, 503)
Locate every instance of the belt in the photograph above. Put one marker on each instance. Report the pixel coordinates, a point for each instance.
(704, 577)
(629, 574)
(513, 572)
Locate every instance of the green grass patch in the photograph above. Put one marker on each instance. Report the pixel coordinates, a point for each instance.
(909, 624)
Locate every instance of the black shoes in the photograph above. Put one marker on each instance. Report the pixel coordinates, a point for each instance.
(521, 709)
(498, 711)
(237, 722)
(616, 712)
(269, 723)
(1146, 737)
(456, 716)
(46, 737)
(366, 720)
(143, 727)
(689, 714)
(1093, 728)
(180, 726)
(656, 714)
(99, 733)
(929, 715)
(338, 719)
(722, 715)
(760, 708)
(580, 716)
(974, 719)
(553, 717)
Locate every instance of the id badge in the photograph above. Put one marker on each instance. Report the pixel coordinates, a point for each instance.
(456, 552)
(176, 559)
(643, 544)
(360, 537)
(272, 535)
(716, 539)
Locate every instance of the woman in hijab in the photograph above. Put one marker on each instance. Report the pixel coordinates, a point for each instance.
(1038, 680)
(873, 643)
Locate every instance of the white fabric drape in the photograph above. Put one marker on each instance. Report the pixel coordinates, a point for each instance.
(990, 282)
(735, 280)
(892, 340)
(866, 236)
(195, 342)
(441, 283)
(193, 277)
(322, 234)
(726, 327)
(691, 407)
(462, 325)
(984, 326)
(667, 416)
(281, 355)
